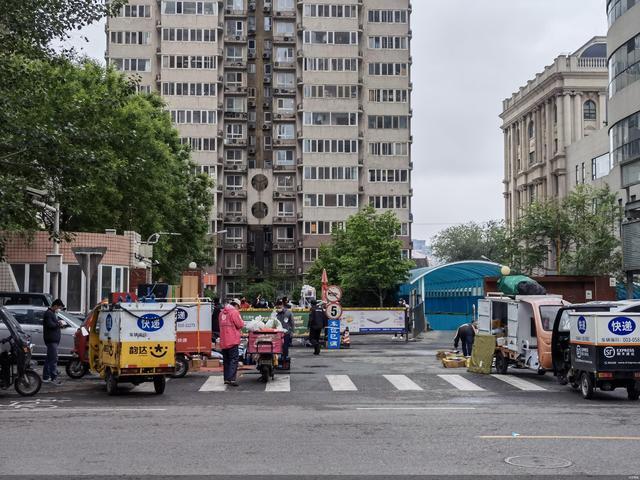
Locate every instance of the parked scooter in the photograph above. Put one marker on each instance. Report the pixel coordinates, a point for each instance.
(15, 359)
(78, 366)
(265, 346)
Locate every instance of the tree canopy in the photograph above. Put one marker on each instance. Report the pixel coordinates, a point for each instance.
(471, 241)
(365, 258)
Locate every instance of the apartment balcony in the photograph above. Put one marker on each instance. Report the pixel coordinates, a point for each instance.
(284, 194)
(280, 65)
(235, 167)
(284, 92)
(235, 193)
(284, 14)
(232, 13)
(284, 245)
(284, 142)
(235, 115)
(235, 38)
(284, 116)
(235, 89)
(235, 219)
(233, 245)
(235, 63)
(285, 168)
(284, 39)
(290, 220)
(232, 272)
(235, 142)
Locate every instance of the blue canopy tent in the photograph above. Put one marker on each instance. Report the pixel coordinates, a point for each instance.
(450, 292)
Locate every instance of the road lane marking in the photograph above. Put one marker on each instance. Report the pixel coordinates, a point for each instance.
(415, 408)
(520, 383)
(214, 383)
(341, 383)
(554, 437)
(88, 409)
(404, 383)
(461, 383)
(281, 383)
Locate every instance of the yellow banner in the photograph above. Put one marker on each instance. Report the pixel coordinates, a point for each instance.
(147, 354)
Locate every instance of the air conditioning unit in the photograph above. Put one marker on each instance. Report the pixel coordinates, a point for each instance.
(252, 151)
(266, 55)
(287, 39)
(267, 8)
(299, 188)
(276, 246)
(266, 104)
(276, 194)
(265, 126)
(252, 6)
(361, 189)
(228, 11)
(158, 77)
(237, 37)
(277, 142)
(233, 193)
(278, 115)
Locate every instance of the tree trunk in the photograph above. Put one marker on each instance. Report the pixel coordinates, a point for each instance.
(381, 297)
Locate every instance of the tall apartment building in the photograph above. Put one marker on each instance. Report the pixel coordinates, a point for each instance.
(623, 43)
(300, 110)
(548, 116)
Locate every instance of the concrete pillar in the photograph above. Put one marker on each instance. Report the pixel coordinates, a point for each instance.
(578, 117)
(602, 109)
(558, 102)
(566, 119)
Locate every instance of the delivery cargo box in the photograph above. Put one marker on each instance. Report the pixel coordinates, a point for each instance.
(193, 327)
(605, 341)
(137, 335)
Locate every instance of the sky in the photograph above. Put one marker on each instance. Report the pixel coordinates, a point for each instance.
(468, 56)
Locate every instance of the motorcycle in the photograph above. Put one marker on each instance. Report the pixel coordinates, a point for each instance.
(78, 366)
(264, 347)
(15, 359)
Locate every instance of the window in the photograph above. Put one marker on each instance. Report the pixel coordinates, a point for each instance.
(74, 288)
(196, 62)
(601, 166)
(330, 64)
(390, 176)
(389, 201)
(624, 65)
(286, 105)
(36, 278)
(194, 117)
(190, 89)
(388, 121)
(341, 119)
(388, 69)
(330, 146)
(285, 182)
(234, 182)
(234, 131)
(337, 11)
(389, 148)
(388, 96)
(131, 38)
(285, 80)
(331, 173)
(625, 140)
(131, 64)
(285, 209)
(285, 233)
(328, 38)
(188, 35)
(286, 131)
(388, 42)
(19, 274)
(233, 207)
(189, 8)
(589, 110)
(135, 11)
(388, 16)
(234, 234)
(331, 91)
(285, 5)
(285, 29)
(199, 144)
(617, 8)
(233, 261)
(285, 260)
(234, 53)
(310, 255)
(531, 130)
(106, 289)
(322, 228)
(233, 289)
(285, 157)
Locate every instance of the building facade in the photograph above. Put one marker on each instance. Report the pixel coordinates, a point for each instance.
(300, 111)
(623, 43)
(558, 108)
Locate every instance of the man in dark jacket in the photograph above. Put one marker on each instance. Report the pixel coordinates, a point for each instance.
(286, 319)
(51, 326)
(466, 333)
(317, 322)
(215, 319)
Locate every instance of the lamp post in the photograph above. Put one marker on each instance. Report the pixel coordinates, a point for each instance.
(152, 240)
(215, 234)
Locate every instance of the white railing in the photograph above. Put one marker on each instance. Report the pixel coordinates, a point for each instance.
(596, 62)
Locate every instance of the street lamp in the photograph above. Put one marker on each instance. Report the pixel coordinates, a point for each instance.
(54, 261)
(148, 252)
(193, 265)
(154, 237)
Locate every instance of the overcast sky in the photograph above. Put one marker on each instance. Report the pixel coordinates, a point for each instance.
(468, 55)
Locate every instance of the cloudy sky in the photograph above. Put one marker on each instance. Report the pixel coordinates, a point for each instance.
(468, 55)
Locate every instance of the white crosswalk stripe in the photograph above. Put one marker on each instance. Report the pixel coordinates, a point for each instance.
(402, 382)
(214, 383)
(341, 383)
(281, 383)
(520, 383)
(461, 383)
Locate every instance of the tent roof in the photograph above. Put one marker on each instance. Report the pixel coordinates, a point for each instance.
(471, 270)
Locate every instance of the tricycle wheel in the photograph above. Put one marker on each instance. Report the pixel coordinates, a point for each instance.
(159, 384)
(502, 363)
(29, 384)
(562, 379)
(541, 371)
(111, 382)
(586, 386)
(76, 368)
(182, 367)
(632, 391)
(264, 373)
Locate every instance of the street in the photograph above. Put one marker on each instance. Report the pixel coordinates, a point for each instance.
(381, 408)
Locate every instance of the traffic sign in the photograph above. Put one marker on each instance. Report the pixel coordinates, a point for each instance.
(334, 310)
(334, 293)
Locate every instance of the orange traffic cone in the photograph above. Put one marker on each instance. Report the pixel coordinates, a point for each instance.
(346, 339)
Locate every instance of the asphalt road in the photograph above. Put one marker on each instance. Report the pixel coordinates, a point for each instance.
(411, 422)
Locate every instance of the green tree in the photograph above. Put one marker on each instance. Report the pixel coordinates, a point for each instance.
(579, 230)
(472, 241)
(111, 158)
(365, 258)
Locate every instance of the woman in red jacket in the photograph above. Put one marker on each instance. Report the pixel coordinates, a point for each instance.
(230, 327)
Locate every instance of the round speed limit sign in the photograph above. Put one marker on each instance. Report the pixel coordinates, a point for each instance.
(334, 293)
(334, 310)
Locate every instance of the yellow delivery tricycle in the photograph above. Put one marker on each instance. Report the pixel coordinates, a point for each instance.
(134, 343)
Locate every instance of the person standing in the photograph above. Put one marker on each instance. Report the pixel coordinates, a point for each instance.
(230, 326)
(317, 322)
(215, 320)
(466, 333)
(286, 319)
(51, 327)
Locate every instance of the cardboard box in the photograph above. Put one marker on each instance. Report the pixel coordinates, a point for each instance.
(440, 354)
(457, 362)
(496, 323)
(195, 364)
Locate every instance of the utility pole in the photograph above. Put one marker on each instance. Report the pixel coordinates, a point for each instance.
(55, 276)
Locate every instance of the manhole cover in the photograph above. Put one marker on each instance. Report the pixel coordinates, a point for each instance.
(534, 461)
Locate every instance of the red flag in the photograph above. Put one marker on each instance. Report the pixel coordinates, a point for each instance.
(325, 284)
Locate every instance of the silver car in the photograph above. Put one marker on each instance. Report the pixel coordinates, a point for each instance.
(30, 319)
